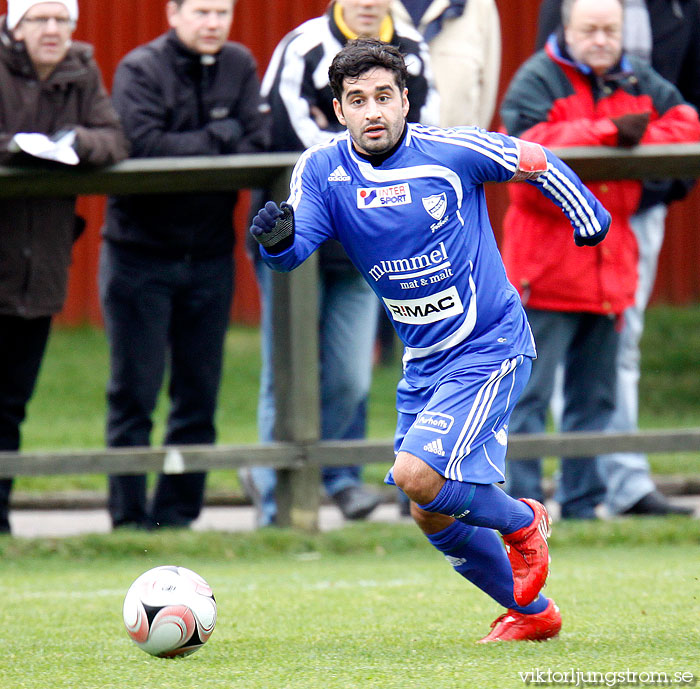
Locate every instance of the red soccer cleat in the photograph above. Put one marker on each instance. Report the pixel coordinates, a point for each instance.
(528, 553)
(514, 626)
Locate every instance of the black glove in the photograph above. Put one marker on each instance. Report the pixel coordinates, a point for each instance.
(226, 133)
(630, 128)
(273, 227)
(593, 239)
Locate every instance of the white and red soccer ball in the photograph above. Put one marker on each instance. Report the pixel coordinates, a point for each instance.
(169, 611)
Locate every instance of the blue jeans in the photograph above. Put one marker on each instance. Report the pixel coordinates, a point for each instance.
(160, 311)
(627, 474)
(347, 326)
(587, 346)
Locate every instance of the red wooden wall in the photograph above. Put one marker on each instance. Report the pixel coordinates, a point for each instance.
(116, 26)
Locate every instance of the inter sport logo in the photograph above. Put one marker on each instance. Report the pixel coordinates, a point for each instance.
(381, 197)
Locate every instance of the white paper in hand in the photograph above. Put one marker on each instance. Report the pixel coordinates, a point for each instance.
(40, 146)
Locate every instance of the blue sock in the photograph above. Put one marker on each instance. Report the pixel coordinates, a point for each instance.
(481, 504)
(478, 555)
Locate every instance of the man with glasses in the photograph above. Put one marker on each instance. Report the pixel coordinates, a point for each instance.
(667, 36)
(583, 89)
(51, 93)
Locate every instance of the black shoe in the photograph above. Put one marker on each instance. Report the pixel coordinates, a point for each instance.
(126, 524)
(172, 523)
(654, 504)
(355, 502)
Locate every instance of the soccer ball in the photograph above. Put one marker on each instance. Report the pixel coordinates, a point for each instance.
(169, 611)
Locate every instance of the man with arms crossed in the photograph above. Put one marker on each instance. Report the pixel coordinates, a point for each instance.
(410, 211)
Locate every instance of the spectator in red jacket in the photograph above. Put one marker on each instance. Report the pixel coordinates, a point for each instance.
(667, 35)
(581, 90)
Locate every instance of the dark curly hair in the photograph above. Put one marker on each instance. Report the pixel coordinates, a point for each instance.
(361, 56)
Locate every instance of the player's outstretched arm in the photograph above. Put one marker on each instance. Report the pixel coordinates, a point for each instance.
(273, 227)
(556, 180)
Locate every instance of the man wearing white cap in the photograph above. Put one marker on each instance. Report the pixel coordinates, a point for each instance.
(45, 28)
(53, 105)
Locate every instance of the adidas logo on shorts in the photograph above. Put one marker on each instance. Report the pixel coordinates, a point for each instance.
(435, 447)
(339, 175)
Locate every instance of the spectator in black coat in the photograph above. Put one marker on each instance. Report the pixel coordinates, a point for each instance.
(166, 267)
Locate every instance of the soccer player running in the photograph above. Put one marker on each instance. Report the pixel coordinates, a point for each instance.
(407, 203)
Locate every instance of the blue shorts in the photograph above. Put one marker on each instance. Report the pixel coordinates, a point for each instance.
(459, 425)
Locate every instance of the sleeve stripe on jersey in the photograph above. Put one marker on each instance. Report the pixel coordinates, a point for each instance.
(295, 183)
(491, 148)
(590, 223)
(477, 137)
(574, 204)
(507, 148)
(554, 181)
(471, 133)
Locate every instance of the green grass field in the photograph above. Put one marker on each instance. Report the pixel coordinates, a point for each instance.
(368, 606)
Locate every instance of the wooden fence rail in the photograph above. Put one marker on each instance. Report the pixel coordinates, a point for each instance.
(296, 455)
(299, 454)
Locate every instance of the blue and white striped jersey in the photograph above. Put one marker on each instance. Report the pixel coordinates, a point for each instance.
(417, 228)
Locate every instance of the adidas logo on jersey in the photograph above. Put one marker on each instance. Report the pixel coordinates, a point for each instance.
(339, 175)
(435, 447)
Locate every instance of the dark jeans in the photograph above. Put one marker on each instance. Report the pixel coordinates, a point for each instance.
(587, 346)
(22, 347)
(162, 311)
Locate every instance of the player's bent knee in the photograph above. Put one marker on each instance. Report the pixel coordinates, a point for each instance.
(429, 522)
(415, 478)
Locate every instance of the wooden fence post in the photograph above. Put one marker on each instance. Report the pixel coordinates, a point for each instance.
(296, 380)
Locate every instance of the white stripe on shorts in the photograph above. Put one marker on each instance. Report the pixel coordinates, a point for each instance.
(477, 417)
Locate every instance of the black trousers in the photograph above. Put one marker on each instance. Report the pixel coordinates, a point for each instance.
(22, 347)
(161, 312)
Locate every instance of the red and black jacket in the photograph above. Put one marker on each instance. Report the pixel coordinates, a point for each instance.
(558, 103)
